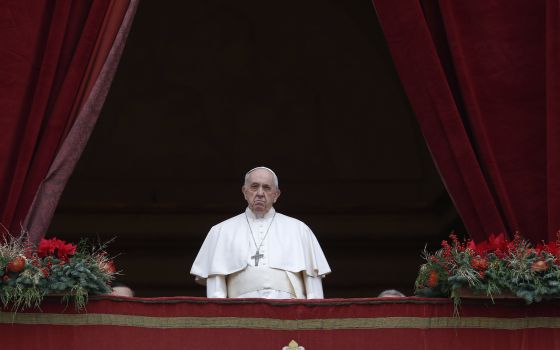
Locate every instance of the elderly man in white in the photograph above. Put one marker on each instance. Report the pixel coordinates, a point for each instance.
(261, 253)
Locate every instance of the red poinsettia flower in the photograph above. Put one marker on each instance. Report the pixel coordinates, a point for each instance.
(46, 248)
(482, 247)
(56, 247)
(539, 248)
(495, 244)
(497, 241)
(552, 248)
(65, 251)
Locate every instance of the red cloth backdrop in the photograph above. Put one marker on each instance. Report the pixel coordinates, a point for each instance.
(483, 80)
(52, 54)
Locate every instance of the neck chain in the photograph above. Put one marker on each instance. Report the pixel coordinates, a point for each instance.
(257, 255)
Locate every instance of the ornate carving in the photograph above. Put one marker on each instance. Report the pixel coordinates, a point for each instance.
(293, 346)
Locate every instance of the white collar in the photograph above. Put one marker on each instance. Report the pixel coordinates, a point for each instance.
(267, 216)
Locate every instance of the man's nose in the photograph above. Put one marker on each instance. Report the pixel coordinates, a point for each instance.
(260, 191)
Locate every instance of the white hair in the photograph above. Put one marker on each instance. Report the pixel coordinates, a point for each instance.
(391, 293)
(265, 168)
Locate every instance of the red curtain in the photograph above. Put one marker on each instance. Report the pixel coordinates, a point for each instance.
(52, 55)
(483, 80)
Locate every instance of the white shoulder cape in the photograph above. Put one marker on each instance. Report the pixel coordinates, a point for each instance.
(293, 247)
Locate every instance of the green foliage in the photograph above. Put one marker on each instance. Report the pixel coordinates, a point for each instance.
(491, 268)
(55, 268)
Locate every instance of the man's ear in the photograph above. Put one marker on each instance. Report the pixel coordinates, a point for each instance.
(278, 193)
(243, 190)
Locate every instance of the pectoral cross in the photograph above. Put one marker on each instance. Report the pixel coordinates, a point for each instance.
(257, 257)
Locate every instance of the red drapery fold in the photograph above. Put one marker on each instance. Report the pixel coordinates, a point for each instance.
(552, 75)
(482, 78)
(87, 108)
(52, 57)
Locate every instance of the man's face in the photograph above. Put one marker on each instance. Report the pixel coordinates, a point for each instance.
(260, 191)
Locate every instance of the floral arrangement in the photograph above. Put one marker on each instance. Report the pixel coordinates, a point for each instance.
(496, 266)
(55, 267)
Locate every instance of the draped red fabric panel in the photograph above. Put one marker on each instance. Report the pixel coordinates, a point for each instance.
(199, 323)
(552, 75)
(85, 112)
(482, 78)
(48, 67)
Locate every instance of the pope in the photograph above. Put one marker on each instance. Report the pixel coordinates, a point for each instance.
(261, 253)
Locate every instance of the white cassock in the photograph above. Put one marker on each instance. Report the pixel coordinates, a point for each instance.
(290, 264)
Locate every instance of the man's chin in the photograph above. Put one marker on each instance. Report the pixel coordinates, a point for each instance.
(259, 209)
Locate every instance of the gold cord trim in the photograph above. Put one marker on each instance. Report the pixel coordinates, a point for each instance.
(278, 324)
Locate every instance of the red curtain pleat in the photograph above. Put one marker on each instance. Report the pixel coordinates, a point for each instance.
(104, 42)
(553, 113)
(425, 82)
(85, 112)
(478, 76)
(49, 47)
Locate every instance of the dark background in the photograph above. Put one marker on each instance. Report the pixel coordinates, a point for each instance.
(206, 91)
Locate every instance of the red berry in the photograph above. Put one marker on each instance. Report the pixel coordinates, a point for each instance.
(479, 263)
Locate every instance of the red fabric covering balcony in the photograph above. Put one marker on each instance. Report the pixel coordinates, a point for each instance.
(200, 323)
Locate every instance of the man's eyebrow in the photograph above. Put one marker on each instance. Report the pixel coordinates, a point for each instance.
(260, 184)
